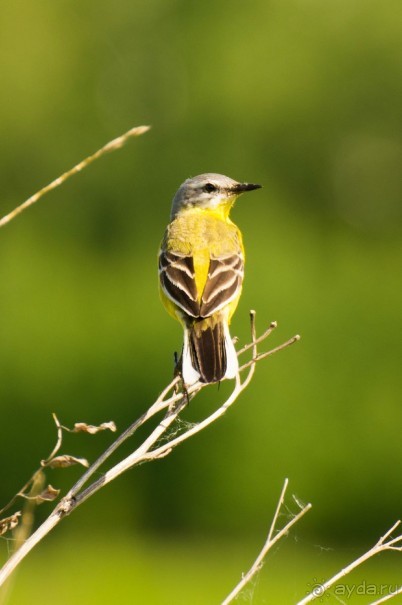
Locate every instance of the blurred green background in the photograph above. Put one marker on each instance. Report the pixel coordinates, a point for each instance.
(302, 96)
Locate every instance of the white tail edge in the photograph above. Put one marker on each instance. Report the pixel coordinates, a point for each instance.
(189, 373)
(232, 363)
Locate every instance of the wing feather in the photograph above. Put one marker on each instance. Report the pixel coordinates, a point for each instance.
(224, 282)
(176, 274)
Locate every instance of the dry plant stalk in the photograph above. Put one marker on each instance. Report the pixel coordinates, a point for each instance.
(269, 543)
(173, 402)
(110, 146)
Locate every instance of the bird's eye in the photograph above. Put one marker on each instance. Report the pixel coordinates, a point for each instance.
(209, 188)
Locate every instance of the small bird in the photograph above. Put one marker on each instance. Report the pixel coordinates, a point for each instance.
(201, 268)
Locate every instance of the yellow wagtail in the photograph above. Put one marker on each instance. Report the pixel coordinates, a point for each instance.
(201, 264)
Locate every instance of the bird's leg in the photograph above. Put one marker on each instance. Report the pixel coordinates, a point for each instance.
(180, 387)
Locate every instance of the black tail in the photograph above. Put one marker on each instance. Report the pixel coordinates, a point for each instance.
(208, 351)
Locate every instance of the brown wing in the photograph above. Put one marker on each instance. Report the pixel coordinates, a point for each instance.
(224, 281)
(176, 274)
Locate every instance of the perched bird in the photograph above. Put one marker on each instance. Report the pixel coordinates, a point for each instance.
(201, 262)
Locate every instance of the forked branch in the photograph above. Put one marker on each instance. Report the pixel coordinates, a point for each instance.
(269, 543)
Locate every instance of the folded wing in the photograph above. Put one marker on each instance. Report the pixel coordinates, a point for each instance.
(225, 277)
(177, 278)
(224, 281)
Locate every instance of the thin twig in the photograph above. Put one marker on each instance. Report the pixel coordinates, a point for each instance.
(110, 146)
(272, 326)
(270, 541)
(260, 356)
(278, 509)
(380, 546)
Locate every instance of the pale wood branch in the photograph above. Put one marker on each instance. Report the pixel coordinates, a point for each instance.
(269, 543)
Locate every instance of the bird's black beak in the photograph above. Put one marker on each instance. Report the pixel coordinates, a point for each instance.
(241, 187)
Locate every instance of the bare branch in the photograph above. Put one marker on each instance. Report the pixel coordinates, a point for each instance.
(260, 356)
(278, 509)
(173, 402)
(110, 146)
(270, 541)
(380, 546)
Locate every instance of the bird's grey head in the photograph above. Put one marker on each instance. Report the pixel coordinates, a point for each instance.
(208, 190)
